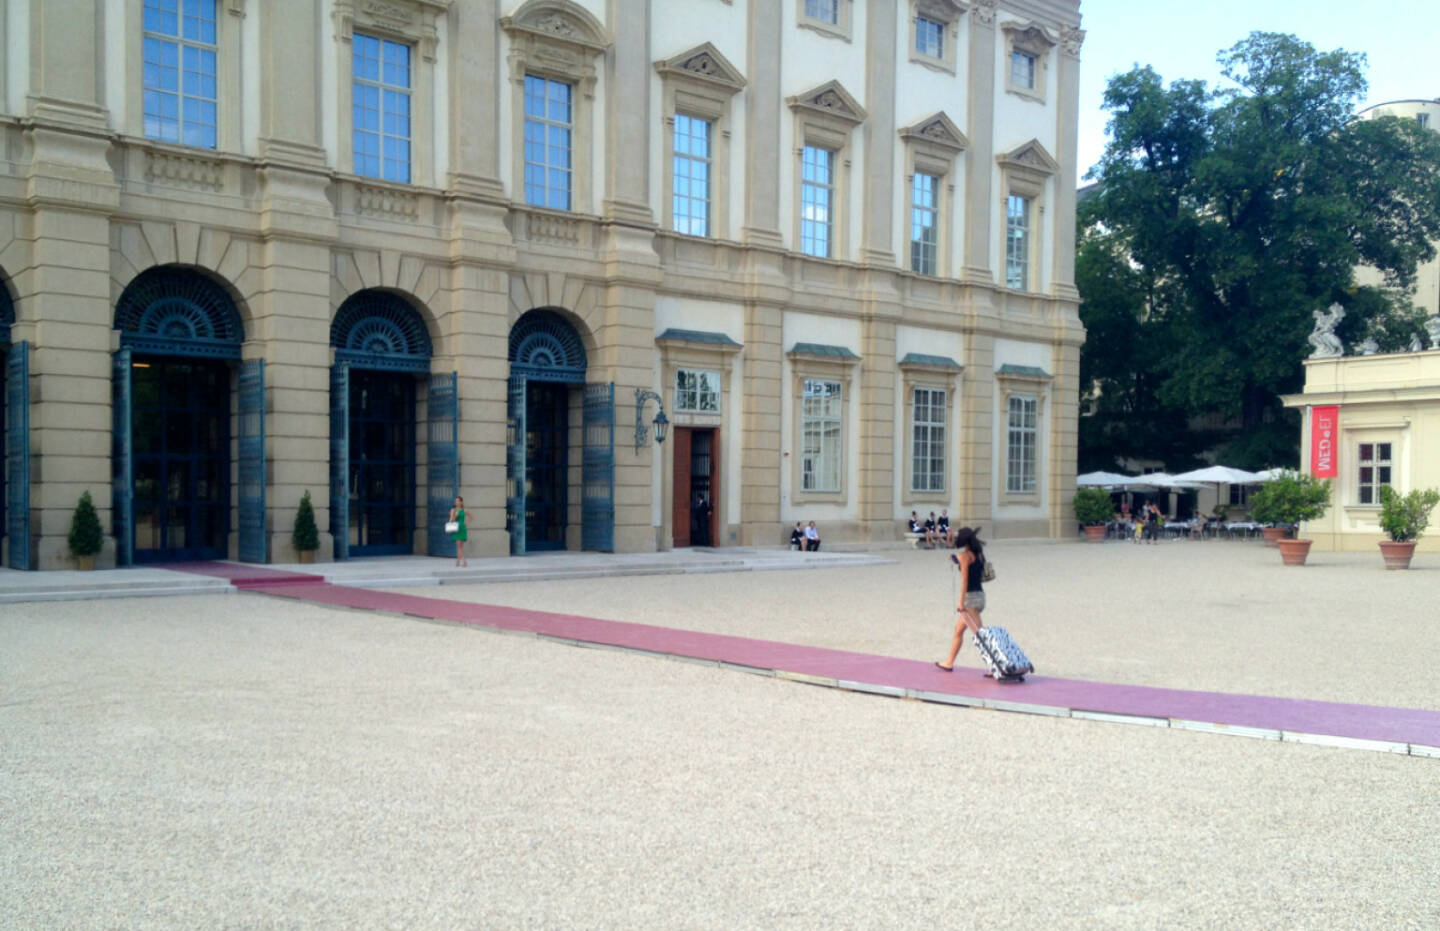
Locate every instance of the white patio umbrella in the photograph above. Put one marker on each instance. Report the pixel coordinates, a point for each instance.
(1161, 480)
(1269, 475)
(1218, 475)
(1103, 480)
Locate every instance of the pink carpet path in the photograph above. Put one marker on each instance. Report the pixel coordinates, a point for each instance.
(1399, 730)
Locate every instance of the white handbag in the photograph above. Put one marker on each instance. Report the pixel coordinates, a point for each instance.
(452, 526)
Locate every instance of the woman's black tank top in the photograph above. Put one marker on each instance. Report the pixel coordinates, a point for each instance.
(976, 575)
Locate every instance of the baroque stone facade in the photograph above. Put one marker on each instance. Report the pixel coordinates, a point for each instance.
(840, 250)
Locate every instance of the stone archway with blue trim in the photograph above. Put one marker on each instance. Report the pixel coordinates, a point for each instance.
(547, 364)
(383, 353)
(174, 384)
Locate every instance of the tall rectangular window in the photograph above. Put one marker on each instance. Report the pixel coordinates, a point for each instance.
(927, 441)
(1423, 119)
(1022, 69)
(179, 76)
(924, 224)
(929, 37)
(817, 199)
(820, 436)
(1021, 447)
(1374, 461)
(697, 390)
(1017, 242)
(549, 128)
(827, 11)
(691, 203)
(381, 108)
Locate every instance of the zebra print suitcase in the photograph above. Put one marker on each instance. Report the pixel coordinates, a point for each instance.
(1006, 661)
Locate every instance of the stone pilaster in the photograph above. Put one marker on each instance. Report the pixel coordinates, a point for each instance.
(67, 55)
(293, 172)
(977, 430)
(1062, 280)
(627, 117)
(980, 83)
(760, 461)
(1064, 438)
(877, 429)
(477, 195)
(877, 223)
(762, 127)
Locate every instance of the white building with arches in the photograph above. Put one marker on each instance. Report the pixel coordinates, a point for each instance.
(391, 252)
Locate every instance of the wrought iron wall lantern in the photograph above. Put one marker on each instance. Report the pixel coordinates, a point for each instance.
(662, 423)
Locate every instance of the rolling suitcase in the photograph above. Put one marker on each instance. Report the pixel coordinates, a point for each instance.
(1006, 661)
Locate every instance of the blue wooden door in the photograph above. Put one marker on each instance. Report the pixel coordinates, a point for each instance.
(17, 454)
(122, 459)
(340, 458)
(515, 464)
(442, 468)
(597, 470)
(252, 461)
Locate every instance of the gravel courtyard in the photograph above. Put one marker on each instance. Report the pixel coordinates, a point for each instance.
(246, 761)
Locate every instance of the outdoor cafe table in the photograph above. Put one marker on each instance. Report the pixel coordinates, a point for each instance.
(1247, 527)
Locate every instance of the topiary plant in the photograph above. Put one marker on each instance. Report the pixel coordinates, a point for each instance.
(1093, 506)
(1404, 519)
(86, 538)
(1289, 498)
(305, 536)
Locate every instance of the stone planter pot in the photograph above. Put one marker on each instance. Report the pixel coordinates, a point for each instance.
(1397, 555)
(307, 557)
(1293, 552)
(1273, 535)
(1094, 532)
(87, 563)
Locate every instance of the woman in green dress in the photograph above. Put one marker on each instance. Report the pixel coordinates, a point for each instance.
(457, 517)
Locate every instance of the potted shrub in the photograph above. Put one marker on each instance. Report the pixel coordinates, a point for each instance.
(1094, 510)
(86, 538)
(1404, 519)
(1290, 498)
(1264, 509)
(305, 536)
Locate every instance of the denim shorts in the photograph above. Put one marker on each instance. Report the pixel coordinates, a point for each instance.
(975, 601)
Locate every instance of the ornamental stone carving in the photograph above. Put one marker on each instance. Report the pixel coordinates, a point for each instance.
(184, 171)
(830, 99)
(1071, 38)
(703, 64)
(1432, 330)
(1369, 347)
(984, 12)
(1325, 344)
(413, 20)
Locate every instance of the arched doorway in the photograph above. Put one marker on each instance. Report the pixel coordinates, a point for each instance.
(180, 337)
(547, 380)
(382, 354)
(15, 424)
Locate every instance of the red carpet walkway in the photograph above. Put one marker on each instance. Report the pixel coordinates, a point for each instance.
(1368, 727)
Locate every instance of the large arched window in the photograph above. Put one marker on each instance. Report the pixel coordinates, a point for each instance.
(379, 330)
(545, 347)
(175, 311)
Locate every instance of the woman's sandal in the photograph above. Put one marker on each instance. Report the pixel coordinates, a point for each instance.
(944, 668)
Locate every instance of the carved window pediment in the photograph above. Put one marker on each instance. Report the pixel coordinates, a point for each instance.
(558, 22)
(406, 20)
(938, 131)
(1028, 167)
(946, 11)
(1028, 37)
(705, 64)
(832, 101)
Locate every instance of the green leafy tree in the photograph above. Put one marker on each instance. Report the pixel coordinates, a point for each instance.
(305, 535)
(86, 538)
(1225, 216)
(1290, 498)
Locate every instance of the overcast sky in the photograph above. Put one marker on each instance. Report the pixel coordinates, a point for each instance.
(1179, 39)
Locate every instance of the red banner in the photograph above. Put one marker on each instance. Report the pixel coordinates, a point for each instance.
(1325, 441)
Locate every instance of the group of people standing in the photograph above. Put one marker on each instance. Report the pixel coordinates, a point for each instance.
(934, 529)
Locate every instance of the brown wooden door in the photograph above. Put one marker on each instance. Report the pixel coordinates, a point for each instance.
(680, 496)
(715, 488)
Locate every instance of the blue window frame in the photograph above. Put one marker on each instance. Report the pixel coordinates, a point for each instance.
(691, 204)
(817, 195)
(381, 108)
(179, 76)
(929, 37)
(549, 127)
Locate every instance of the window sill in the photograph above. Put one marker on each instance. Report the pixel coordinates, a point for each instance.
(941, 65)
(828, 30)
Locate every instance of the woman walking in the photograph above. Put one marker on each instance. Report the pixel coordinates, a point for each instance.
(970, 562)
(459, 535)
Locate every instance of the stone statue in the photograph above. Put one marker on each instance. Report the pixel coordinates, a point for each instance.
(1326, 344)
(1417, 344)
(1432, 329)
(1369, 347)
